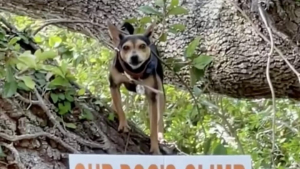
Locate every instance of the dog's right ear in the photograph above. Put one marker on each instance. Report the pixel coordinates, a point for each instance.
(114, 33)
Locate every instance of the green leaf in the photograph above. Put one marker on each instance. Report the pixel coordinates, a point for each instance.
(22, 86)
(196, 91)
(149, 10)
(111, 116)
(59, 81)
(64, 108)
(61, 96)
(38, 39)
(54, 97)
(54, 69)
(9, 89)
(177, 66)
(87, 114)
(220, 150)
(177, 27)
(13, 41)
(2, 34)
(54, 41)
(163, 37)
(139, 30)
(146, 19)
(69, 97)
(189, 51)
(131, 20)
(81, 92)
(174, 3)
(28, 59)
(22, 66)
(2, 154)
(64, 68)
(196, 75)
(9, 74)
(17, 47)
(61, 109)
(71, 125)
(28, 81)
(178, 11)
(201, 61)
(24, 38)
(50, 54)
(159, 3)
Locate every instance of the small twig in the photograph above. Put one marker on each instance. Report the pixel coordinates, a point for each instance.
(51, 117)
(110, 45)
(56, 21)
(127, 142)
(186, 86)
(25, 100)
(264, 18)
(43, 105)
(8, 25)
(15, 152)
(36, 135)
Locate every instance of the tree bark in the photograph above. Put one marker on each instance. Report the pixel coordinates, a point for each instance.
(240, 55)
(32, 137)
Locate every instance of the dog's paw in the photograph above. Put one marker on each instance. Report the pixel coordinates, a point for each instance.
(123, 126)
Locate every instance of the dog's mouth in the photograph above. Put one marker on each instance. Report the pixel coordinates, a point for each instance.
(135, 63)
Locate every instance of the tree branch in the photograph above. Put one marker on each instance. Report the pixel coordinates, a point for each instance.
(35, 136)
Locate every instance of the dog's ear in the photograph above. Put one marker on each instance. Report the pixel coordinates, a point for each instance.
(114, 33)
(129, 27)
(149, 31)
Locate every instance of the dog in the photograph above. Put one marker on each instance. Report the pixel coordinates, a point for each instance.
(136, 56)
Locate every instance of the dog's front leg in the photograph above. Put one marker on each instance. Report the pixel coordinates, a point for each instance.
(153, 107)
(161, 108)
(117, 104)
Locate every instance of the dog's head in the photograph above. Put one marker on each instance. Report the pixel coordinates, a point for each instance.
(134, 48)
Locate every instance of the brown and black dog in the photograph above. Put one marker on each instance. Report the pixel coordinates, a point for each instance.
(136, 56)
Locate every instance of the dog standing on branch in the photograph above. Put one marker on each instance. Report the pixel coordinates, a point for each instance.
(136, 63)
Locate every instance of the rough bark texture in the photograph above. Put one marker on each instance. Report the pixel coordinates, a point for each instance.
(46, 151)
(238, 69)
(32, 137)
(239, 54)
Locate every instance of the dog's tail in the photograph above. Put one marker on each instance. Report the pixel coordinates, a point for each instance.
(127, 27)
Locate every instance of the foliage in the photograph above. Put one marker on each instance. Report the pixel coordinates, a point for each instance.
(158, 13)
(222, 126)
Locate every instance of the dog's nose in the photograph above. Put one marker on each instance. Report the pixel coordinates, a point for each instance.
(134, 59)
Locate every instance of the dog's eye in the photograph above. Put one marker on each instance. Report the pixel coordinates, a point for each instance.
(125, 47)
(142, 46)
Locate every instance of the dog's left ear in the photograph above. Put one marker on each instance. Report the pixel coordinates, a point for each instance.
(115, 34)
(149, 31)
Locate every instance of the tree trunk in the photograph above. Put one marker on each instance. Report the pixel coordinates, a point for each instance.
(240, 55)
(32, 135)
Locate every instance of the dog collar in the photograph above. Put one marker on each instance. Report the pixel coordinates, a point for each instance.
(132, 74)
